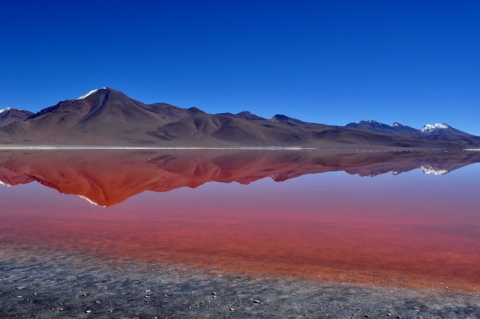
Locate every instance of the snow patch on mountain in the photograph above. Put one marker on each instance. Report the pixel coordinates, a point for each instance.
(5, 110)
(89, 93)
(427, 169)
(428, 128)
(89, 200)
(5, 184)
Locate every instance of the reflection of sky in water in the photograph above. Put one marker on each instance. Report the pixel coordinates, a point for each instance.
(411, 228)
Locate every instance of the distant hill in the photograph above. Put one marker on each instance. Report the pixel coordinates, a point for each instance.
(109, 117)
(10, 115)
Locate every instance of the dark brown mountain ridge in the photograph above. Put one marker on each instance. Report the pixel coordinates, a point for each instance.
(10, 115)
(106, 117)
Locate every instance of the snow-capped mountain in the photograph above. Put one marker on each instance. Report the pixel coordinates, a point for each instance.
(10, 115)
(429, 128)
(435, 131)
(378, 127)
(442, 131)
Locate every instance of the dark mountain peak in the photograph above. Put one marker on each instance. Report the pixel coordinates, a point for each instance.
(102, 93)
(12, 110)
(194, 110)
(374, 124)
(227, 114)
(290, 121)
(367, 124)
(95, 97)
(7, 109)
(10, 115)
(377, 127)
(246, 115)
(280, 118)
(404, 128)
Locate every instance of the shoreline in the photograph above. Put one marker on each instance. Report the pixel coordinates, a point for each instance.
(243, 148)
(86, 147)
(49, 284)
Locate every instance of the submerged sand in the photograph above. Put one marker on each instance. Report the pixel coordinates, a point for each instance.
(43, 283)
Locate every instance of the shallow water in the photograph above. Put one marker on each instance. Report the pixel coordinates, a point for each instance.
(281, 214)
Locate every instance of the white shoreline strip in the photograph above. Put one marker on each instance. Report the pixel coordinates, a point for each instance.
(85, 147)
(259, 148)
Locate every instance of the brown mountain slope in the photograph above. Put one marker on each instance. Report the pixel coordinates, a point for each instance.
(103, 118)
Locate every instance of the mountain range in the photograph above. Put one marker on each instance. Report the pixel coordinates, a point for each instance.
(107, 178)
(106, 117)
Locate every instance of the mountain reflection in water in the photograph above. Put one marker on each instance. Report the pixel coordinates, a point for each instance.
(407, 230)
(109, 177)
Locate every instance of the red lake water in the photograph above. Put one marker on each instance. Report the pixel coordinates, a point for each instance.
(295, 215)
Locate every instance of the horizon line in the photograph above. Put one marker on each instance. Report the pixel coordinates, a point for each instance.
(252, 148)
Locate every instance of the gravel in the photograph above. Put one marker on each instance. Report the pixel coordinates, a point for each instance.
(51, 284)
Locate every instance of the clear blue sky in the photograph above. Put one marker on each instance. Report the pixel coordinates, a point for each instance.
(332, 62)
